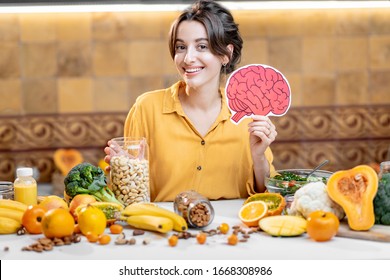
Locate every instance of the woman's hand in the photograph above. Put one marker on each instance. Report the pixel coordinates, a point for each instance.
(107, 158)
(262, 134)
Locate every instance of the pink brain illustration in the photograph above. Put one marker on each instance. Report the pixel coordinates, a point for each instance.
(257, 90)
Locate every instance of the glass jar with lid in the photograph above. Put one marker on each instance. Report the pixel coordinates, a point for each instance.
(194, 208)
(6, 190)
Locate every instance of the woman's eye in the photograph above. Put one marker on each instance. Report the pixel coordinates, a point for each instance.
(203, 47)
(180, 48)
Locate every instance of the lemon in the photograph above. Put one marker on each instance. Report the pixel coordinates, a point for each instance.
(91, 220)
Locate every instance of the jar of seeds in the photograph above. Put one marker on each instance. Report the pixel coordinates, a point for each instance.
(194, 208)
(130, 170)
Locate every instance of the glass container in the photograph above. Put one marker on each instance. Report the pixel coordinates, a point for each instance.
(194, 208)
(6, 190)
(129, 173)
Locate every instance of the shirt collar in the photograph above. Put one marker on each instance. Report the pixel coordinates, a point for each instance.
(172, 103)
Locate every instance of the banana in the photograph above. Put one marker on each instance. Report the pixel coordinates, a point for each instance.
(8, 225)
(12, 214)
(148, 222)
(13, 204)
(179, 224)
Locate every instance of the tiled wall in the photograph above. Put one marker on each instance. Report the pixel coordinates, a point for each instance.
(100, 62)
(68, 80)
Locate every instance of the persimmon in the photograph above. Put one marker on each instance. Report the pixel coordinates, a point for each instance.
(32, 219)
(322, 226)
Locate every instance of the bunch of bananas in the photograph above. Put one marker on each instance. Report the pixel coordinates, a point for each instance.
(11, 213)
(151, 217)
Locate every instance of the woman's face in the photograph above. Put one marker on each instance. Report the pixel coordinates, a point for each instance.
(194, 60)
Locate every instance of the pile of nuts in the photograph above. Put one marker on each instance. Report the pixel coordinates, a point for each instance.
(121, 239)
(130, 179)
(47, 244)
(194, 208)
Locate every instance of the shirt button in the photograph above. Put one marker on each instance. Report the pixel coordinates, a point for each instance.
(199, 168)
(202, 142)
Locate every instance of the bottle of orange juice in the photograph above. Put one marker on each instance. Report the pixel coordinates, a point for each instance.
(25, 186)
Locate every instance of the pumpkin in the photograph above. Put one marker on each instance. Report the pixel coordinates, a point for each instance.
(66, 159)
(354, 190)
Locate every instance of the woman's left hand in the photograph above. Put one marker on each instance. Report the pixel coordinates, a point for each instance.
(262, 134)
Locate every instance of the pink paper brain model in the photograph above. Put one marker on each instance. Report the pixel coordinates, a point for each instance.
(257, 89)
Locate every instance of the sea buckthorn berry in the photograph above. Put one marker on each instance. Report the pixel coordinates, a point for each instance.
(172, 240)
(201, 237)
(224, 228)
(116, 229)
(104, 239)
(232, 239)
(92, 237)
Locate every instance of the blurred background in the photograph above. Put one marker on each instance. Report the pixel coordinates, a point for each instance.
(67, 80)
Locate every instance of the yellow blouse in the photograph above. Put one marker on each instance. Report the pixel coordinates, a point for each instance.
(218, 165)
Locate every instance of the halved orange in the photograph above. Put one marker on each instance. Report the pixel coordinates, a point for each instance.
(252, 212)
(275, 202)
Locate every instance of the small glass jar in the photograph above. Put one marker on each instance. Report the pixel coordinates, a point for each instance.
(6, 190)
(194, 208)
(289, 198)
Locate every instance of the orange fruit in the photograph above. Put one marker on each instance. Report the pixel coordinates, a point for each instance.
(252, 212)
(275, 202)
(57, 223)
(53, 202)
(92, 220)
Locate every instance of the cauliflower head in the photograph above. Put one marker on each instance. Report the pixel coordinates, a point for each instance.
(311, 197)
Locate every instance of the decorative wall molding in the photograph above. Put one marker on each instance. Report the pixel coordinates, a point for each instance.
(346, 135)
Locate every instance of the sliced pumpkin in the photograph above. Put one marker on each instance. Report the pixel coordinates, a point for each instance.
(66, 159)
(354, 190)
(275, 202)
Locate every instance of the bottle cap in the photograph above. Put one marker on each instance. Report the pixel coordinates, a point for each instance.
(24, 171)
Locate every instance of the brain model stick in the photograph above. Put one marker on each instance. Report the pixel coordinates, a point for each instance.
(257, 89)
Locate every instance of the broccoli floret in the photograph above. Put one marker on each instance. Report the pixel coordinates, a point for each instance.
(382, 201)
(86, 178)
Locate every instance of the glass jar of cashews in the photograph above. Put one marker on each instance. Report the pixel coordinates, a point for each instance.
(129, 173)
